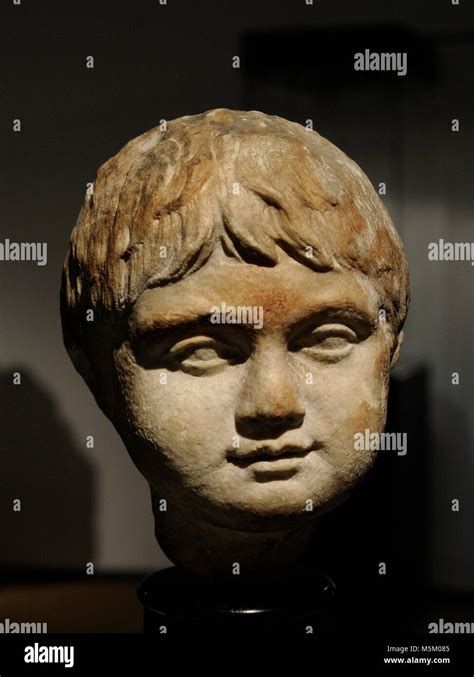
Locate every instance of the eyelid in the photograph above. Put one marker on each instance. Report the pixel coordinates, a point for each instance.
(174, 350)
(191, 342)
(360, 322)
(185, 352)
(333, 327)
(328, 328)
(335, 331)
(170, 342)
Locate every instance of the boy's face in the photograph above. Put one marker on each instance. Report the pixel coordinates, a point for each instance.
(245, 423)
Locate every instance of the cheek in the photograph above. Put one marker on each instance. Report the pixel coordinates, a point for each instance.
(351, 395)
(348, 397)
(188, 418)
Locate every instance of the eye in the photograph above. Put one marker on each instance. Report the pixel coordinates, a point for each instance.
(329, 342)
(199, 354)
(195, 353)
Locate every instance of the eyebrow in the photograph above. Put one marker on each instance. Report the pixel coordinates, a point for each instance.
(188, 320)
(193, 320)
(348, 311)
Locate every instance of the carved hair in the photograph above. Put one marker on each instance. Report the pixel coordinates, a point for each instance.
(256, 183)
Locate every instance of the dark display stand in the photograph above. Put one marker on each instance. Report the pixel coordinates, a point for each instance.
(173, 600)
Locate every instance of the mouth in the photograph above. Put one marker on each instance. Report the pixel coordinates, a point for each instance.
(270, 462)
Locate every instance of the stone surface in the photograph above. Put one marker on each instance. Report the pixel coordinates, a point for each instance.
(248, 291)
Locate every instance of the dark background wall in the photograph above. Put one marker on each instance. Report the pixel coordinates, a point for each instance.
(156, 61)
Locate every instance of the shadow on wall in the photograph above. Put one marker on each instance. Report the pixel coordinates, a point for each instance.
(387, 518)
(43, 468)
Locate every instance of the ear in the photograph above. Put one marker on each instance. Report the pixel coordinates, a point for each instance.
(396, 353)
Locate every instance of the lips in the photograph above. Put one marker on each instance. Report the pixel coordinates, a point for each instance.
(270, 453)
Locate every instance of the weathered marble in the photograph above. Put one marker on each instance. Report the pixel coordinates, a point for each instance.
(248, 291)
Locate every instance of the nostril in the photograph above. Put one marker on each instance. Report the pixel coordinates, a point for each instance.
(261, 426)
(296, 419)
(277, 421)
(273, 418)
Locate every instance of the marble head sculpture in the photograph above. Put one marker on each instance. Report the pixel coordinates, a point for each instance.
(248, 291)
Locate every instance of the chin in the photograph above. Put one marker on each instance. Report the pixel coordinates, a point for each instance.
(268, 507)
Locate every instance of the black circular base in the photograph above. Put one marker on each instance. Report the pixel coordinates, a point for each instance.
(173, 599)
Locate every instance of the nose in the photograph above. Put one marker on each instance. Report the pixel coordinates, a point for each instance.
(268, 402)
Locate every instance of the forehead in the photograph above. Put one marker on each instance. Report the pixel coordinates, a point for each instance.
(287, 292)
